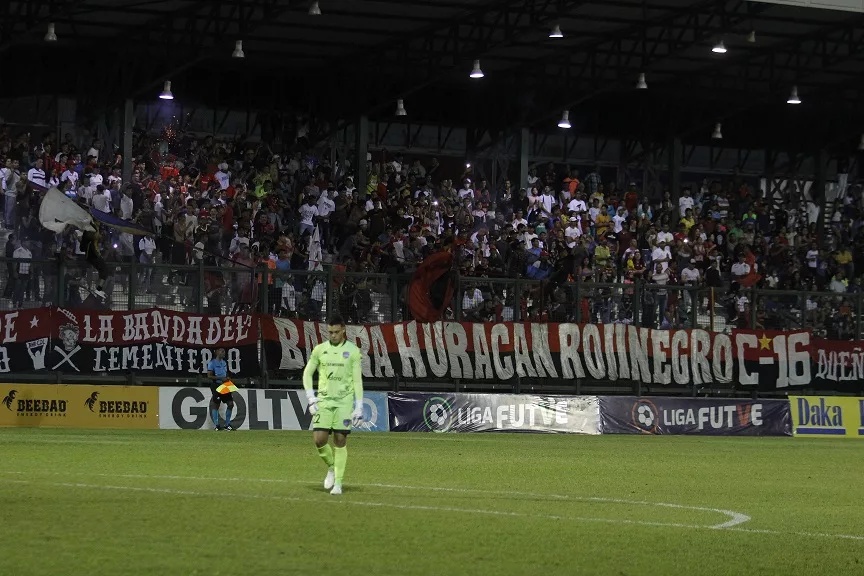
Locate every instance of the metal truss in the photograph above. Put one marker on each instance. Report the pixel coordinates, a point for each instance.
(423, 57)
(174, 42)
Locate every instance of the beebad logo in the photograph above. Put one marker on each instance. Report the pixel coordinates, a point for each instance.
(41, 407)
(91, 401)
(820, 417)
(645, 416)
(438, 414)
(9, 399)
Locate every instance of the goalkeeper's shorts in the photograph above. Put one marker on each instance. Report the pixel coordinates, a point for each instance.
(334, 416)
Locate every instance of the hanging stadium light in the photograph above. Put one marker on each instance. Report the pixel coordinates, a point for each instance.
(314, 9)
(50, 36)
(166, 91)
(565, 120)
(793, 97)
(641, 84)
(476, 72)
(238, 50)
(556, 32)
(861, 144)
(719, 48)
(400, 108)
(751, 38)
(718, 134)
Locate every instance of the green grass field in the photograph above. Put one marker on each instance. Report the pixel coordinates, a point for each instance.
(251, 503)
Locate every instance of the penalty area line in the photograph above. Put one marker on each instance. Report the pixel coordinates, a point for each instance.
(499, 513)
(734, 518)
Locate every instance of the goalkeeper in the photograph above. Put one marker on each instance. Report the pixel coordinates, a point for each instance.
(339, 402)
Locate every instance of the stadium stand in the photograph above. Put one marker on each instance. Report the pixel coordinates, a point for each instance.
(562, 246)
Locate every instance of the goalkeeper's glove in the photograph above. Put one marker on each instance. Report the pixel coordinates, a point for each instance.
(313, 402)
(357, 416)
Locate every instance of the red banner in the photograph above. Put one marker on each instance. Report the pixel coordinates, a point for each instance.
(764, 359)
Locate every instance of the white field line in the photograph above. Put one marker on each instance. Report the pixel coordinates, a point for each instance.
(735, 518)
(347, 501)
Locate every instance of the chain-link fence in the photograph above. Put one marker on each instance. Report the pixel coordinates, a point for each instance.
(372, 298)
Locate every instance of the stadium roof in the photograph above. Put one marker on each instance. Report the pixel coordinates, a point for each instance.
(360, 56)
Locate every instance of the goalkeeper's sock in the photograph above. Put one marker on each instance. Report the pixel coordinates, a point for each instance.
(228, 412)
(326, 453)
(214, 414)
(340, 458)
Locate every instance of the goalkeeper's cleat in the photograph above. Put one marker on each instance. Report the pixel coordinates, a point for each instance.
(330, 480)
(228, 427)
(337, 490)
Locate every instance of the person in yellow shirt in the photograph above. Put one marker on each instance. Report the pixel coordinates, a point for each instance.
(602, 223)
(843, 257)
(688, 221)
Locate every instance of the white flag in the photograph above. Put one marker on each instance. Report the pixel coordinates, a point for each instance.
(315, 253)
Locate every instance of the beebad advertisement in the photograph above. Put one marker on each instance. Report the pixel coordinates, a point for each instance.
(254, 409)
(834, 416)
(79, 406)
(696, 416)
(493, 413)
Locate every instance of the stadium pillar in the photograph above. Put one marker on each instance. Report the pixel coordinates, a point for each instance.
(818, 190)
(128, 126)
(523, 149)
(361, 147)
(675, 170)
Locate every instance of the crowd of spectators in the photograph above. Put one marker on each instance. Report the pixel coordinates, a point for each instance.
(239, 205)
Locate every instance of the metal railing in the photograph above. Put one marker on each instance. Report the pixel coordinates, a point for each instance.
(372, 298)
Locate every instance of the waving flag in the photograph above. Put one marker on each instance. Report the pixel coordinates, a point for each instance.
(57, 212)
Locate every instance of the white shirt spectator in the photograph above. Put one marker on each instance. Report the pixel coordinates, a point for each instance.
(690, 275)
(223, 177)
(472, 300)
(70, 176)
(307, 213)
(112, 179)
(684, 203)
(92, 152)
(466, 193)
(577, 205)
(7, 181)
(326, 206)
(516, 223)
(571, 233)
(147, 245)
(813, 258)
(36, 176)
(665, 237)
(126, 207)
(740, 269)
(618, 223)
(96, 179)
(22, 253)
(546, 202)
(661, 254)
(837, 286)
(100, 202)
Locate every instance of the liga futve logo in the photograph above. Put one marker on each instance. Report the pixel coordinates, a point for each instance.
(645, 416)
(438, 414)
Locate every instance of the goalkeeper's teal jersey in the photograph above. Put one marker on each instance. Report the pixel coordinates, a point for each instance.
(340, 376)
